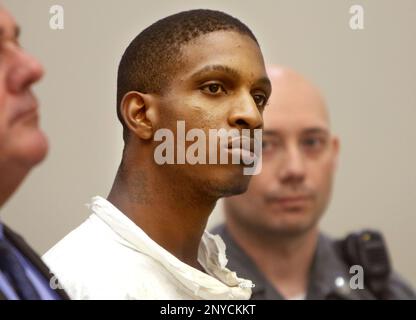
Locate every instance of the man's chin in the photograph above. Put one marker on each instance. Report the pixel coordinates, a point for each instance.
(31, 149)
(290, 228)
(234, 189)
(233, 185)
(218, 181)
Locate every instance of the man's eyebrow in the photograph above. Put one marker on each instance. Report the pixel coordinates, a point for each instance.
(217, 67)
(312, 130)
(270, 133)
(265, 82)
(316, 130)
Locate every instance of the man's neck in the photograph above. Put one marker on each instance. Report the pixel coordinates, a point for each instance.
(284, 260)
(12, 175)
(170, 214)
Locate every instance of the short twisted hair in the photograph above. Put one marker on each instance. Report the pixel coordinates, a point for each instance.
(152, 59)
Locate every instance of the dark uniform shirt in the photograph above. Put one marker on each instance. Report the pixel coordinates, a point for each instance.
(329, 275)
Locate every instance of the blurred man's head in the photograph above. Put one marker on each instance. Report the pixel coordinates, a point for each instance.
(22, 143)
(299, 160)
(203, 67)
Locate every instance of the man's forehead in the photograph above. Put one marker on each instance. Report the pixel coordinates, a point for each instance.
(294, 126)
(295, 102)
(223, 47)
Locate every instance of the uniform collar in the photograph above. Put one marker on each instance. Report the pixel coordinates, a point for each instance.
(245, 267)
(329, 277)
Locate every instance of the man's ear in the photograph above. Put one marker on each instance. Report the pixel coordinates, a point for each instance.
(335, 149)
(137, 111)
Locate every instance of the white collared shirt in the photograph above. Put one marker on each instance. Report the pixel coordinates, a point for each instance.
(110, 257)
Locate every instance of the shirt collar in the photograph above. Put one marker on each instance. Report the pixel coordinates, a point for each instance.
(220, 282)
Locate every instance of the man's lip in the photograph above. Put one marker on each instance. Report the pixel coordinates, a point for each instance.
(247, 156)
(242, 144)
(243, 149)
(290, 199)
(29, 110)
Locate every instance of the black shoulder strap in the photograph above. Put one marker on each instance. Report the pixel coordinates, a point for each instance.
(367, 248)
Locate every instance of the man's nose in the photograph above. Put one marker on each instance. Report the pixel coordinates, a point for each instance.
(245, 115)
(26, 71)
(292, 170)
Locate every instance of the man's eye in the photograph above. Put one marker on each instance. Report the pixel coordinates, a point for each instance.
(313, 143)
(265, 144)
(213, 88)
(260, 100)
(269, 146)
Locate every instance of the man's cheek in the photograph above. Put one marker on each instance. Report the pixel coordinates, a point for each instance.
(2, 102)
(4, 138)
(3, 126)
(5, 121)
